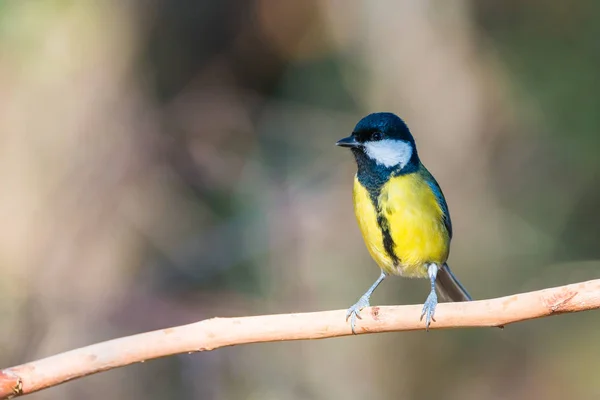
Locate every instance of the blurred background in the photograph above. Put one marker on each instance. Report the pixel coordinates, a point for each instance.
(167, 161)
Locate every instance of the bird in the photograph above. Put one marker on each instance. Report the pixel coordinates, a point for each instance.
(401, 212)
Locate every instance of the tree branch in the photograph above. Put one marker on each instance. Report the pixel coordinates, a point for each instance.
(220, 332)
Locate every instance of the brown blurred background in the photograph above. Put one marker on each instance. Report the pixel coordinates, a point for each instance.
(166, 161)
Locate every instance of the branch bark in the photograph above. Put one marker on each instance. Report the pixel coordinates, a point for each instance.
(220, 332)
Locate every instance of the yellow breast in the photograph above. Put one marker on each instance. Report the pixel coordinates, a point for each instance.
(414, 220)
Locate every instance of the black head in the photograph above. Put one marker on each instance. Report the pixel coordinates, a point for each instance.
(382, 141)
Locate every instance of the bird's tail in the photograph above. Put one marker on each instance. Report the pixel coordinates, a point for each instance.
(449, 287)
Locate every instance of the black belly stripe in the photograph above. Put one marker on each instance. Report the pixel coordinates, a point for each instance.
(384, 225)
(388, 242)
(373, 177)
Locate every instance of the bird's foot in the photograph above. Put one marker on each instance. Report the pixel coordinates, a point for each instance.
(429, 309)
(354, 311)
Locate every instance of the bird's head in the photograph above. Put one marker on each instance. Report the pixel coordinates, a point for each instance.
(382, 140)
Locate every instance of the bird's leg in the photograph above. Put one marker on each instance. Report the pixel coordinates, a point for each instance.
(354, 311)
(431, 302)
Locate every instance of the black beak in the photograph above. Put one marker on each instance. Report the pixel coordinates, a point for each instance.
(350, 141)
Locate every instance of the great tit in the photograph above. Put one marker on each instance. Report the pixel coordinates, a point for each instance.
(401, 211)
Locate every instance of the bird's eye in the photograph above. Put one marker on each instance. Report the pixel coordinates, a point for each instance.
(376, 136)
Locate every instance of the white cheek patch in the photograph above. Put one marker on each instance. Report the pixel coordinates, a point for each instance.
(390, 153)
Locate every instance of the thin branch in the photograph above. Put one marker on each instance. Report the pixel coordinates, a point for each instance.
(220, 332)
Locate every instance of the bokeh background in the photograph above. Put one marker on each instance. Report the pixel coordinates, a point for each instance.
(166, 161)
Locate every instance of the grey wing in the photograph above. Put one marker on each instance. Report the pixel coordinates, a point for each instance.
(439, 195)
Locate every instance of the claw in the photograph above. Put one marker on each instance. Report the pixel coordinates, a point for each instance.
(354, 312)
(429, 309)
